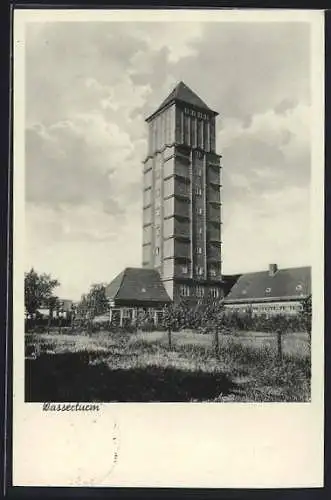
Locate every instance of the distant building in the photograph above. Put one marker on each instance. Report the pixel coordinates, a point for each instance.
(63, 309)
(182, 199)
(136, 290)
(275, 291)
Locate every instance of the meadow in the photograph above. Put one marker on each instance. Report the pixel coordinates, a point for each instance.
(142, 367)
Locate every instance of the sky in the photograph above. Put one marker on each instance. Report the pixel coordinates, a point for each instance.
(89, 87)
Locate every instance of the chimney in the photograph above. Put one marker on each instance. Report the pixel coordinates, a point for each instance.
(272, 269)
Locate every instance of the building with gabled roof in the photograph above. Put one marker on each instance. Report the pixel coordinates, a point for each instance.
(137, 287)
(136, 292)
(274, 291)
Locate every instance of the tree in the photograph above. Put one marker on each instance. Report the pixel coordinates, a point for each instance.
(206, 314)
(98, 299)
(38, 290)
(52, 305)
(306, 314)
(93, 303)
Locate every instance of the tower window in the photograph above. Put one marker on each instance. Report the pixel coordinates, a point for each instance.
(157, 250)
(184, 269)
(157, 193)
(199, 211)
(199, 250)
(184, 291)
(214, 292)
(213, 272)
(198, 191)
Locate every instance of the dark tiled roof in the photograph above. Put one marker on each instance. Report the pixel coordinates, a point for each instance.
(137, 285)
(285, 283)
(184, 94)
(229, 281)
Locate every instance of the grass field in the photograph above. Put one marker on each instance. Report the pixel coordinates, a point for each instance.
(140, 367)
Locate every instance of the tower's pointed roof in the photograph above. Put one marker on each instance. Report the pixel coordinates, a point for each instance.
(182, 93)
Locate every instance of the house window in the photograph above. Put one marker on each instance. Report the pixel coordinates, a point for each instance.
(200, 291)
(212, 272)
(199, 250)
(184, 269)
(198, 191)
(199, 270)
(214, 292)
(199, 211)
(126, 313)
(200, 230)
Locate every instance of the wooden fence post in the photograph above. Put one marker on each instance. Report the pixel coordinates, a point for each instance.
(169, 337)
(216, 341)
(279, 346)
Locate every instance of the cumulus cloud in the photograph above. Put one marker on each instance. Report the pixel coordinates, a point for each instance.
(275, 228)
(272, 153)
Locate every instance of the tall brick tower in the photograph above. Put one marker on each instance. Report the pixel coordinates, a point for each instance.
(182, 199)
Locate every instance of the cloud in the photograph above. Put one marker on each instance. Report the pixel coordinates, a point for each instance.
(80, 245)
(248, 68)
(272, 153)
(80, 161)
(273, 229)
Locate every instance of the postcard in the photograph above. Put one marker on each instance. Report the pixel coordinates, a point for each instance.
(168, 258)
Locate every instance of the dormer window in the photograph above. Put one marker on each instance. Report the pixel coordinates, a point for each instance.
(298, 288)
(268, 290)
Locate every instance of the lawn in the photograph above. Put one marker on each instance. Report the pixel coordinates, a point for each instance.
(121, 366)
